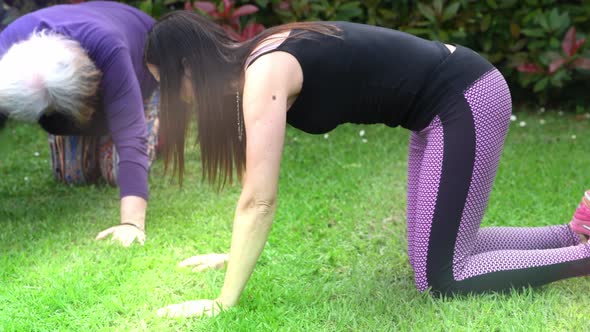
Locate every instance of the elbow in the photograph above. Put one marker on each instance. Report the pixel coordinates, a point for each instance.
(261, 207)
(265, 207)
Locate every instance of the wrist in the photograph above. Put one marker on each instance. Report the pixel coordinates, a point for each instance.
(133, 211)
(134, 224)
(225, 303)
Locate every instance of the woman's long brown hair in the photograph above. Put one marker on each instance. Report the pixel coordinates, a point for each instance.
(184, 43)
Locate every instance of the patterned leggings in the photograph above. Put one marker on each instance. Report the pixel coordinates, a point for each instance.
(86, 159)
(452, 165)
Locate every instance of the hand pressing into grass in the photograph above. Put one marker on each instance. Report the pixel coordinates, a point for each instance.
(132, 226)
(124, 233)
(205, 262)
(198, 308)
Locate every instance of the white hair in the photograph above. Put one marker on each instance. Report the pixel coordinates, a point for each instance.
(45, 73)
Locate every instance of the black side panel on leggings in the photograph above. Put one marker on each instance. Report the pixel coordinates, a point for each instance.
(457, 169)
(532, 276)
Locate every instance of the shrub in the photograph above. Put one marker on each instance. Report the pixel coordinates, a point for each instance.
(539, 45)
(509, 33)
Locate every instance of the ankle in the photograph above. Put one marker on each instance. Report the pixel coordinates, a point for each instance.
(586, 199)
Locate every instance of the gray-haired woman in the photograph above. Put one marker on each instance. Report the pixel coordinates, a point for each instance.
(78, 71)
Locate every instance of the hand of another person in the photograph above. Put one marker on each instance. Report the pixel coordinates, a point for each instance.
(205, 262)
(196, 308)
(125, 234)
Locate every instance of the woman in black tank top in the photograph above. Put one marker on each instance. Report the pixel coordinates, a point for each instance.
(316, 76)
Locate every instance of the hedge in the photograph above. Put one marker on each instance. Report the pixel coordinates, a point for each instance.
(539, 45)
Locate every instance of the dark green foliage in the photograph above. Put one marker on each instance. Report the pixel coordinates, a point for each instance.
(520, 37)
(509, 33)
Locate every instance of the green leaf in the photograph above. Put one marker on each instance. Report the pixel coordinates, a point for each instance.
(505, 4)
(496, 57)
(262, 3)
(519, 45)
(437, 5)
(533, 32)
(537, 45)
(514, 30)
(543, 22)
(558, 22)
(486, 22)
(451, 11)
(348, 11)
(487, 45)
(456, 35)
(526, 79)
(427, 12)
(541, 85)
(356, 5)
(557, 79)
(531, 16)
(418, 32)
(555, 82)
(492, 3)
(544, 59)
(387, 14)
(565, 23)
(146, 7)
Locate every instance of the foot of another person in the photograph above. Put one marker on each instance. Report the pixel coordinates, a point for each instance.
(581, 219)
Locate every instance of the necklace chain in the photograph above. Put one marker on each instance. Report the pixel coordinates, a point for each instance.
(240, 127)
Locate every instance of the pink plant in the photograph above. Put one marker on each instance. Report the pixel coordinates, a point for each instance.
(229, 17)
(571, 59)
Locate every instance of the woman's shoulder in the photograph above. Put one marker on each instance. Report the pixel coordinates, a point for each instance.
(276, 71)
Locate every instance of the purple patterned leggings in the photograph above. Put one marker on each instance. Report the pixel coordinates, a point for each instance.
(451, 169)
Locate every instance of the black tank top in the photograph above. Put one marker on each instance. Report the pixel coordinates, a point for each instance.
(366, 75)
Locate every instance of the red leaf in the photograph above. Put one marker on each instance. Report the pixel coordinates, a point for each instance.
(227, 5)
(252, 30)
(231, 32)
(529, 68)
(284, 5)
(188, 6)
(556, 64)
(568, 45)
(244, 10)
(235, 24)
(582, 63)
(206, 6)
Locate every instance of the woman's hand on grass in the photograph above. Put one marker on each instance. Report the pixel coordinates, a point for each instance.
(124, 234)
(198, 308)
(132, 227)
(205, 262)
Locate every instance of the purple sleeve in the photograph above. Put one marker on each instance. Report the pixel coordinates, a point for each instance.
(123, 104)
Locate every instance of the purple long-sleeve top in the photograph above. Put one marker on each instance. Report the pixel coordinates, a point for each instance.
(113, 35)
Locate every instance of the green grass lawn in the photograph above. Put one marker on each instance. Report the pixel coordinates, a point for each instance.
(336, 258)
